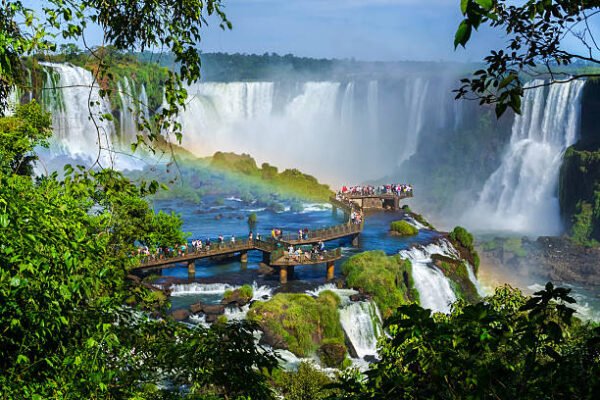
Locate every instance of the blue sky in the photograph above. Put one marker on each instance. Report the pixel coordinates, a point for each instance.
(385, 30)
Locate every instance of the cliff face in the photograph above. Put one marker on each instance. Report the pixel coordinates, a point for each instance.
(579, 185)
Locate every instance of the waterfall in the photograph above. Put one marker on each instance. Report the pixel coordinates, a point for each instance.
(127, 115)
(435, 292)
(79, 129)
(373, 108)
(521, 195)
(414, 97)
(360, 320)
(362, 323)
(347, 112)
(81, 118)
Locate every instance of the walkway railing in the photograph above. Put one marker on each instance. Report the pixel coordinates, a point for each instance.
(215, 249)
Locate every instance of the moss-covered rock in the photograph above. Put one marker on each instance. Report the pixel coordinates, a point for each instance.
(456, 272)
(387, 278)
(299, 322)
(239, 297)
(332, 353)
(463, 241)
(403, 228)
(579, 192)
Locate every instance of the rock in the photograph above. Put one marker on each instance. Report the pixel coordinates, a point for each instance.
(196, 308)
(208, 309)
(265, 269)
(180, 315)
(235, 299)
(360, 297)
(332, 354)
(213, 309)
(211, 318)
(274, 340)
(370, 359)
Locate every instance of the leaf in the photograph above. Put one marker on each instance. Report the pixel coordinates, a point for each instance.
(485, 4)
(463, 33)
(463, 6)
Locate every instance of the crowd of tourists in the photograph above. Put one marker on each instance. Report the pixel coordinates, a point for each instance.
(315, 253)
(369, 190)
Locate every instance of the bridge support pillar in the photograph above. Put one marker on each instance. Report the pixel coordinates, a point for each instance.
(266, 258)
(244, 257)
(191, 268)
(330, 270)
(355, 241)
(283, 275)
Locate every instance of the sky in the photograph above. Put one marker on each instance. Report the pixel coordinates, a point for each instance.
(369, 30)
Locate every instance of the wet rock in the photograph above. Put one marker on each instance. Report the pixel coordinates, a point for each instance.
(180, 315)
(208, 309)
(196, 308)
(213, 309)
(235, 299)
(360, 297)
(370, 359)
(274, 340)
(211, 318)
(332, 354)
(265, 269)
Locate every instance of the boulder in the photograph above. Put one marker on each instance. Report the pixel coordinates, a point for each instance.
(180, 315)
(235, 299)
(332, 354)
(196, 308)
(213, 309)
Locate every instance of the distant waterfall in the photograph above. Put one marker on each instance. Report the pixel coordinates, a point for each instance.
(81, 128)
(521, 195)
(435, 292)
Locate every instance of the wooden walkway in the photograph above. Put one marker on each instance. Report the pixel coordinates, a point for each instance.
(275, 252)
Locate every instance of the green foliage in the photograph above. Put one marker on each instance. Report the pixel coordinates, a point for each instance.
(583, 227)
(20, 134)
(304, 384)
(505, 347)
(463, 241)
(298, 321)
(456, 271)
(63, 284)
(536, 30)
(387, 278)
(579, 192)
(228, 173)
(403, 228)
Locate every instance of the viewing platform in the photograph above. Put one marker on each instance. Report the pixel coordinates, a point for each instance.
(275, 250)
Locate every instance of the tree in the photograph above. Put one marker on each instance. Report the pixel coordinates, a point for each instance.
(538, 32)
(20, 134)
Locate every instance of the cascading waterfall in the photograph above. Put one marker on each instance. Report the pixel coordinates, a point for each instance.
(360, 320)
(362, 323)
(435, 291)
(521, 195)
(128, 112)
(414, 98)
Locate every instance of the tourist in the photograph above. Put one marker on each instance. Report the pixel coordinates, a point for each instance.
(232, 239)
(305, 234)
(257, 235)
(290, 250)
(299, 234)
(250, 237)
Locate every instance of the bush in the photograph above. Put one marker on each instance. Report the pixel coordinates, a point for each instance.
(252, 219)
(387, 278)
(462, 236)
(403, 228)
(305, 383)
